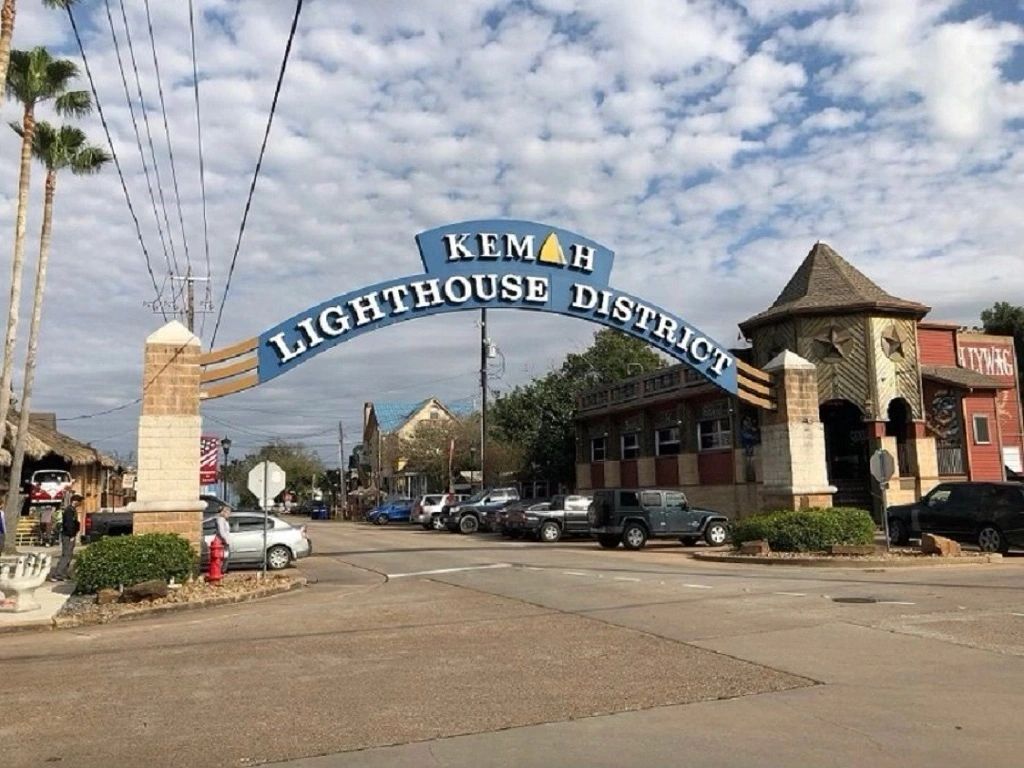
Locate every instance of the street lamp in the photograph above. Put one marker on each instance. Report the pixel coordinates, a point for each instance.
(225, 445)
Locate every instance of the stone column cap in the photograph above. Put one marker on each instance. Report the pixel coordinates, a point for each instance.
(174, 333)
(789, 361)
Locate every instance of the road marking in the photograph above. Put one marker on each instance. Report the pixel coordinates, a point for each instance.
(698, 586)
(625, 578)
(574, 573)
(449, 570)
(791, 594)
(893, 602)
(1017, 614)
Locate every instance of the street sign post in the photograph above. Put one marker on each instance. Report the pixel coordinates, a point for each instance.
(266, 480)
(883, 467)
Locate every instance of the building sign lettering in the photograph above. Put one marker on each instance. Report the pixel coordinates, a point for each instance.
(500, 265)
(991, 359)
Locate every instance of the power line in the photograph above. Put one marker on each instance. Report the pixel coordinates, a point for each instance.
(117, 163)
(138, 143)
(167, 133)
(202, 171)
(149, 133)
(256, 173)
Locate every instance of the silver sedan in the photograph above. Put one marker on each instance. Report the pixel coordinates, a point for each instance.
(285, 542)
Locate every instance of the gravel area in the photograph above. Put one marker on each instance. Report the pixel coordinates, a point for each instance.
(198, 592)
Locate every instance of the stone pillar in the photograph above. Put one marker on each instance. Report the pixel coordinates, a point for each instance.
(612, 474)
(925, 457)
(167, 484)
(793, 439)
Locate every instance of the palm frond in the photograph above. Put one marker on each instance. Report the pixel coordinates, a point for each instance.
(89, 160)
(17, 128)
(58, 3)
(74, 103)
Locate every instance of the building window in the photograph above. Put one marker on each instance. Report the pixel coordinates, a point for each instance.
(981, 435)
(714, 434)
(666, 441)
(598, 448)
(630, 445)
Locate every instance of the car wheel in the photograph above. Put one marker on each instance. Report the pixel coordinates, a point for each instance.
(468, 524)
(898, 533)
(278, 557)
(634, 536)
(427, 526)
(608, 541)
(382, 520)
(549, 532)
(991, 539)
(716, 534)
(437, 523)
(687, 541)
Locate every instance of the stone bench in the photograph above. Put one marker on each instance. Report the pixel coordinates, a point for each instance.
(20, 576)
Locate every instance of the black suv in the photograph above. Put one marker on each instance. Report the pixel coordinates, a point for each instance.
(990, 515)
(633, 516)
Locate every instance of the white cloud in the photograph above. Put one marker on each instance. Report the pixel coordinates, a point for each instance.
(708, 145)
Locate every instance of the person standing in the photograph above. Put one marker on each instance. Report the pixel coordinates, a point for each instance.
(223, 533)
(69, 527)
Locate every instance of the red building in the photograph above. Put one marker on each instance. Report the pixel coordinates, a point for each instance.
(942, 400)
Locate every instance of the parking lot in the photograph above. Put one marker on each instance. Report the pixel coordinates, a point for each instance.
(412, 647)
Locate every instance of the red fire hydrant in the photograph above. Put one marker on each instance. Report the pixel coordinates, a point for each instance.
(214, 571)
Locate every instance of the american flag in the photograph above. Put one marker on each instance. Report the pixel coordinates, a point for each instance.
(209, 459)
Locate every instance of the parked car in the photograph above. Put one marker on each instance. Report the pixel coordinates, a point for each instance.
(393, 511)
(632, 516)
(549, 522)
(285, 542)
(48, 486)
(427, 511)
(508, 520)
(469, 516)
(990, 515)
(118, 522)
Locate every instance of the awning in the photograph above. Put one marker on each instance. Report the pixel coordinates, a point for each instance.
(963, 378)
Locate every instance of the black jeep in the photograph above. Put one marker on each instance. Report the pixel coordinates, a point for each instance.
(631, 516)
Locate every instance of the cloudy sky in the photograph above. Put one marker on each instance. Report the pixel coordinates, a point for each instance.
(708, 143)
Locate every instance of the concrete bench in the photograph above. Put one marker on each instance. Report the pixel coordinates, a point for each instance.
(20, 576)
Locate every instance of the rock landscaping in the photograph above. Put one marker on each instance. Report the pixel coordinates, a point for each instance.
(156, 596)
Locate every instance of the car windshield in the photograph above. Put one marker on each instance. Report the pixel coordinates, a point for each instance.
(53, 476)
(478, 496)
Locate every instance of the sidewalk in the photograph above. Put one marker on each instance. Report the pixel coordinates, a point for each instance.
(51, 597)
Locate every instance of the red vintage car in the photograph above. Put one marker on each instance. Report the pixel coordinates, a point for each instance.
(48, 486)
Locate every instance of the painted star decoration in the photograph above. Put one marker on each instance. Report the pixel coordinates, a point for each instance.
(834, 342)
(892, 342)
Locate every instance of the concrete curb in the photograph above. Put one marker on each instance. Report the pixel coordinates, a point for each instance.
(845, 561)
(144, 611)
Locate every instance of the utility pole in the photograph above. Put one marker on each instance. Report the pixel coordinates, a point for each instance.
(342, 487)
(190, 297)
(484, 348)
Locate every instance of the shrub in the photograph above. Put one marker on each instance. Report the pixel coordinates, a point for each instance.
(807, 530)
(126, 560)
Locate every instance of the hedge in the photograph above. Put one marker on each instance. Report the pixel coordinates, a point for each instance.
(807, 530)
(125, 560)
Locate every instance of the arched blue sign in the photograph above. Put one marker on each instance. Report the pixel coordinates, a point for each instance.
(496, 264)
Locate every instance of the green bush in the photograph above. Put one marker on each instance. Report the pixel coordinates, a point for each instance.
(807, 530)
(126, 560)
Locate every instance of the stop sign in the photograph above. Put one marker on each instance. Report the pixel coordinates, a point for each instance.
(266, 480)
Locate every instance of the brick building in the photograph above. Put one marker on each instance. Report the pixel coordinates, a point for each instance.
(943, 401)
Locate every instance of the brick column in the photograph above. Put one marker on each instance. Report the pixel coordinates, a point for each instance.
(167, 484)
(793, 439)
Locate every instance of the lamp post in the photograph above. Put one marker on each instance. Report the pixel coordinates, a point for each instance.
(225, 445)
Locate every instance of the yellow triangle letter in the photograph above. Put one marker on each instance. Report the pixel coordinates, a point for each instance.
(551, 251)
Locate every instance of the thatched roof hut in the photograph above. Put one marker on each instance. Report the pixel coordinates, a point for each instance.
(44, 440)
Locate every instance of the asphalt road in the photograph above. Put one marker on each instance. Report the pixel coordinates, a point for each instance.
(414, 648)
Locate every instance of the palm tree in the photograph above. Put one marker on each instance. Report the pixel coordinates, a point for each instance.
(7, 32)
(66, 147)
(34, 77)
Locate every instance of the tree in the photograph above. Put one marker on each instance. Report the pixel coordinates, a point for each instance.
(538, 418)
(300, 464)
(58, 149)
(7, 13)
(1008, 319)
(32, 78)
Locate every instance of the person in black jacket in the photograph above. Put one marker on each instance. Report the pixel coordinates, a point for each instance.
(69, 527)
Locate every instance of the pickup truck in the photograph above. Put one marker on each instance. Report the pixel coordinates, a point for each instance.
(549, 522)
(477, 512)
(118, 522)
